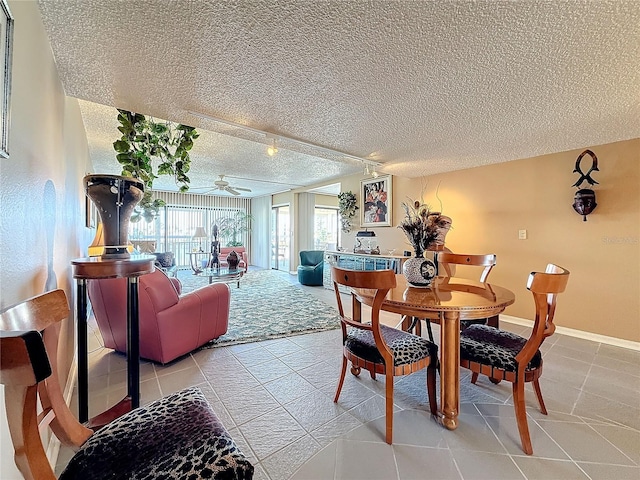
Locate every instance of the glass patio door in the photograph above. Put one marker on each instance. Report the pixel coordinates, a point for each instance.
(280, 237)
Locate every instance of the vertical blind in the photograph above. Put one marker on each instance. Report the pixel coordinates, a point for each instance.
(174, 228)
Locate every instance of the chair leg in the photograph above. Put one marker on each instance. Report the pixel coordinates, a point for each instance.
(418, 328)
(428, 322)
(474, 377)
(494, 321)
(536, 387)
(342, 374)
(389, 407)
(521, 416)
(431, 389)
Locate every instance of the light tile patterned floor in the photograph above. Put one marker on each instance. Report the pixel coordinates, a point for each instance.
(276, 399)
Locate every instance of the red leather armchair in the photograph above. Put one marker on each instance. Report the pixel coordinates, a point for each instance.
(171, 324)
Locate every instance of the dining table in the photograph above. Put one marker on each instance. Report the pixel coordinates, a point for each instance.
(447, 301)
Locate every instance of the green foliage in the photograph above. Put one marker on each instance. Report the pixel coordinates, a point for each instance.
(234, 226)
(347, 207)
(145, 141)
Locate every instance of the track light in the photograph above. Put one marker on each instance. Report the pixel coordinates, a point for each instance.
(371, 170)
(272, 149)
(287, 142)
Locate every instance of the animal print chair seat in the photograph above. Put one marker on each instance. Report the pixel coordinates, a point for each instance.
(498, 348)
(178, 433)
(406, 347)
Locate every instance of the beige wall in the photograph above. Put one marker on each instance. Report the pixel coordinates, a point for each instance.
(490, 204)
(41, 197)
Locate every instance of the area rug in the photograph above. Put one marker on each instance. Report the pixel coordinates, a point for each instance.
(268, 306)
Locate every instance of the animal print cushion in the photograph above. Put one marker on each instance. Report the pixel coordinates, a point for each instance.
(178, 436)
(498, 348)
(165, 259)
(406, 347)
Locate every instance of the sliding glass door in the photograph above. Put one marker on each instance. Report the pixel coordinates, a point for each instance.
(325, 232)
(280, 237)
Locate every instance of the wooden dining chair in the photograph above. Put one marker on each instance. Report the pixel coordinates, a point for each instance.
(178, 436)
(502, 355)
(448, 259)
(377, 347)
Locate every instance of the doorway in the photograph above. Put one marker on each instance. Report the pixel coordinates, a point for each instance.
(280, 237)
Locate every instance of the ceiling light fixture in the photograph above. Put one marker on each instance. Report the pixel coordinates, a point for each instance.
(272, 149)
(289, 140)
(371, 170)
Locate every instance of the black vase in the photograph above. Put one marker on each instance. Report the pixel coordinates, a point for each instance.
(115, 197)
(233, 260)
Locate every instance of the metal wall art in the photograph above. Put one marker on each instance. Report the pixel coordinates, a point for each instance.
(584, 201)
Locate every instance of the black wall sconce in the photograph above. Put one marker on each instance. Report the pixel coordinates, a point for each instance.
(584, 201)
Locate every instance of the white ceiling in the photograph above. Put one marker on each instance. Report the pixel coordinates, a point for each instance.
(420, 86)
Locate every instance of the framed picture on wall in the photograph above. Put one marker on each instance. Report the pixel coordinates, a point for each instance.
(6, 46)
(375, 195)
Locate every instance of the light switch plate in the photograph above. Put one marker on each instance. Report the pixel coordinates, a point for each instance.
(522, 234)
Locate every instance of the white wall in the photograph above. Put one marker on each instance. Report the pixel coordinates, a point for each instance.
(41, 191)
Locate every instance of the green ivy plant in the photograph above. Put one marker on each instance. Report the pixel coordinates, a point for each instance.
(347, 207)
(145, 142)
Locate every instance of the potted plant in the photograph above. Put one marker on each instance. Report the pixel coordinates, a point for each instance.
(234, 227)
(144, 141)
(347, 207)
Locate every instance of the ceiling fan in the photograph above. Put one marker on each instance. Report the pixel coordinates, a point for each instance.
(222, 184)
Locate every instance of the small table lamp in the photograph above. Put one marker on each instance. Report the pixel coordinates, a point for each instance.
(200, 233)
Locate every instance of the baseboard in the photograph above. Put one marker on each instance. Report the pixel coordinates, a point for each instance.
(594, 337)
(53, 446)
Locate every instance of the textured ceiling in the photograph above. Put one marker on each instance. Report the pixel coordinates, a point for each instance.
(420, 86)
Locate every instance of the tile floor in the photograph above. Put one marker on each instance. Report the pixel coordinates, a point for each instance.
(276, 399)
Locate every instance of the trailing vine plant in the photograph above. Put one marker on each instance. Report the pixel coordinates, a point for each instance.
(145, 142)
(347, 207)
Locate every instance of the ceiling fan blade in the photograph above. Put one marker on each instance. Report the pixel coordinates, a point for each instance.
(232, 191)
(242, 189)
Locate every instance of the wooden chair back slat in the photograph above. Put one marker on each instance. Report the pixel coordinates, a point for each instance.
(36, 313)
(446, 259)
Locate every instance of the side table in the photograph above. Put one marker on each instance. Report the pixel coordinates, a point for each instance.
(95, 268)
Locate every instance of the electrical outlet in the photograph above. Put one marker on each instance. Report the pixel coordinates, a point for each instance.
(522, 234)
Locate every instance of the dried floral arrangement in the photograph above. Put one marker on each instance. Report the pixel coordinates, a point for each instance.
(422, 226)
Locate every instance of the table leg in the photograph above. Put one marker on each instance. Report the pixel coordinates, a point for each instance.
(450, 369)
(133, 343)
(83, 362)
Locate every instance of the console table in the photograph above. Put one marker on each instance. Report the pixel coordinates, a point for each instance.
(95, 268)
(359, 261)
